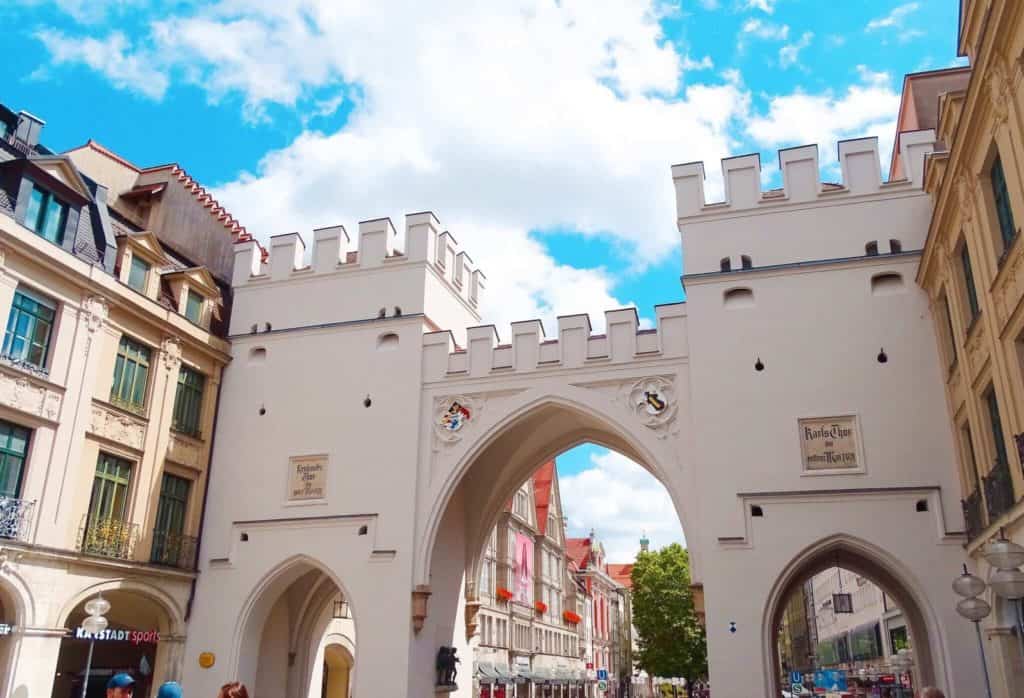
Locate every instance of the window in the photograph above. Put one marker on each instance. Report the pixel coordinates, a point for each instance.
(131, 374)
(972, 293)
(871, 248)
(997, 425)
(110, 489)
(13, 449)
(46, 216)
(745, 262)
(1001, 197)
(170, 520)
(194, 307)
(969, 462)
(28, 329)
(188, 401)
(725, 264)
(947, 329)
(895, 246)
(138, 274)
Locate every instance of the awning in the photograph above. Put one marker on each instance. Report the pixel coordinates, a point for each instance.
(502, 674)
(485, 672)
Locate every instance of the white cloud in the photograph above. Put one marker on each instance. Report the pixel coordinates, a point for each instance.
(790, 53)
(865, 109)
(763, 5)
(893, 19)
(704, 63)
(621, 501)
(765, 30)
(111, 56)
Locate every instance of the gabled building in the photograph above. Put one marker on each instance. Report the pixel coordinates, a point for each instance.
(114, 291)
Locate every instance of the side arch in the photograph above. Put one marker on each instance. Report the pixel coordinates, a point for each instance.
(887, 572)
(572, 417)
(169, 607)
(17, 590)
(261, 599)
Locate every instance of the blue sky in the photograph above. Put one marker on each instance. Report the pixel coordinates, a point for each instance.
(540, 132)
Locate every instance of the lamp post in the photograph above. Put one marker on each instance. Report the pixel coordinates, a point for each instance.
(1007, 581)
(975, 610)
(94, 624)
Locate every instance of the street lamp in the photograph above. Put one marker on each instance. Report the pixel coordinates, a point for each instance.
(94, 624)
(1007, 581)
(340, 611)
(975, 610)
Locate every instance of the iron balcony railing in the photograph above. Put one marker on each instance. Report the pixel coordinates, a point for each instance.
(108, 537)
(998, 490)
(174, 550)
(15, 518)
(974, 514)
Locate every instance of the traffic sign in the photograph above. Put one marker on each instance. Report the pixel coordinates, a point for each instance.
(796, 677)
(798, 689)
(602, 685)
(602, 674)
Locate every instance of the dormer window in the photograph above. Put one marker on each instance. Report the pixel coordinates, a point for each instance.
(46, 215)
(194, 307)
(138, 274)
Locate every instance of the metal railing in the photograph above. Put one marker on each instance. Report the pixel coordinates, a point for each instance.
(15, 518)
(174, 550)
(998, 490)
(974, 514)
(108, 537)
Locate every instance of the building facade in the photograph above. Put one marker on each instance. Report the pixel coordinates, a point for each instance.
(109, 376)
(528, 631)
(971, 270)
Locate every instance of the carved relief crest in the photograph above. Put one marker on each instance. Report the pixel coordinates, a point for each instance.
(966, 188)
(95, 311)
(170, 351)
(653, 400)
(452, 414)
(999, 90)
(19, 393)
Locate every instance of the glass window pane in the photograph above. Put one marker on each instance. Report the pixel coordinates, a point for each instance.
(138, 274)
(35, 207)
(194, 306)
(56, 216)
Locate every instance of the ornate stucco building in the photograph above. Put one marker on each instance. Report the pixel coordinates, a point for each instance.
(972, 268)
(114, 290)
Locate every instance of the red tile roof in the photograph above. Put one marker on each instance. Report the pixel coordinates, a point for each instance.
(622, 574)
(542, 487)
(578, 550)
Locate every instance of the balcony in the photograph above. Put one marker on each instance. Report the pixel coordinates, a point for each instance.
(998, 490)
(174, 550)
(112, 538)
(15, 518)
(974, 514)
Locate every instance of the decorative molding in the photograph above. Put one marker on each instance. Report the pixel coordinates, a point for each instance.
(967, 187)
(95, 312)
(183, 450)
(999, 90)
(975, 346)
(472, 621)
(170, 353)
(452, 416)
(420, 595)
(117, 427)
(25, 395)
(653, 401)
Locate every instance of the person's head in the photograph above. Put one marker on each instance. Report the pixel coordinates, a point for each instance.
(233, 690)
(171, 689)
(932, 692)
(120, 686)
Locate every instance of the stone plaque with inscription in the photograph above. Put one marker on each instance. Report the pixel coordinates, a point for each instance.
(307, 477)
(829, 443)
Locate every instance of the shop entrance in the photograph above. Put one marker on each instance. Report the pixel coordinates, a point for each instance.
(131, 644)
(8, 626)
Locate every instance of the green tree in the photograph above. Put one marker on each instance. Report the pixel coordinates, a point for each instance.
(670, 639)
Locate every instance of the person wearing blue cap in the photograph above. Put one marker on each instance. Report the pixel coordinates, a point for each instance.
(120, 686)
(171, 689)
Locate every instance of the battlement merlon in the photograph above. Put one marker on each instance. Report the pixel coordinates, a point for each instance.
(433, 276)
(575, 346)
(424, 242)
(859, 163)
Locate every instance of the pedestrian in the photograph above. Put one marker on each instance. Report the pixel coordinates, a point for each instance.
(233, 690)
(932, 692)
(120, 686)
(170, 689)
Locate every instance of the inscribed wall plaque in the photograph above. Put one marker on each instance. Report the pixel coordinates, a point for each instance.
(307, 477)
(830, 443)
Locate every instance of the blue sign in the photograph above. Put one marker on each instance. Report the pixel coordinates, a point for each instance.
(602, 674)
(796, 677)
(830, 679)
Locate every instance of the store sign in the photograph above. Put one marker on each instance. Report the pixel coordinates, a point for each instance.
(829, 443)
(136, 637)
(307, 477)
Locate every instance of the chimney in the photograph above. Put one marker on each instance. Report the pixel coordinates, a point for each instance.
(28, 129)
